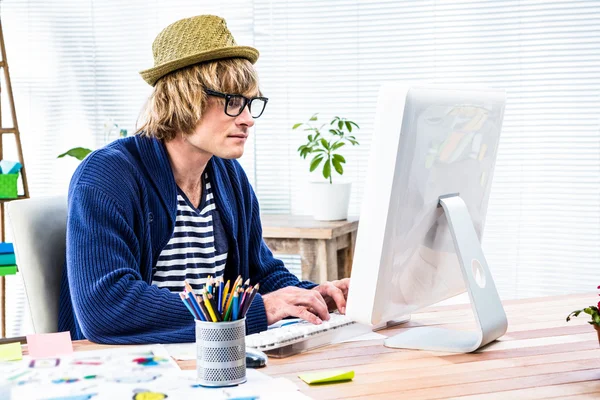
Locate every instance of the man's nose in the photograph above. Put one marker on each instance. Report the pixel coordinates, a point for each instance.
(245, 118)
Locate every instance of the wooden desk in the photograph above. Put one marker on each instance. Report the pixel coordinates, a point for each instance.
(326, 248)
(540, 357)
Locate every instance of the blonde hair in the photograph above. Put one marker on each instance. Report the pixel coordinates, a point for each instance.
(178, 99)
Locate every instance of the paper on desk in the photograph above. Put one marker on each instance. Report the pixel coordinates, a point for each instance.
(259, 385)
(131, 372)
(49, 344)
(4, 390)
(10, 352)
(181, 351)
(112, 373)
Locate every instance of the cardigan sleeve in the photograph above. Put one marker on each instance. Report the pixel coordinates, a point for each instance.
(112, 302)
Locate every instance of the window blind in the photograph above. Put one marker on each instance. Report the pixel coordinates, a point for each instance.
(542, 234)
(74, 65)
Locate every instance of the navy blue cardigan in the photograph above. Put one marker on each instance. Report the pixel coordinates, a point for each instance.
(122, 208)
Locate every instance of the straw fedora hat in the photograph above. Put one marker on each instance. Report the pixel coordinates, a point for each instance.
(191, 41)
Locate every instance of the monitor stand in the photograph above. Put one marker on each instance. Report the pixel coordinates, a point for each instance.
(485, 302)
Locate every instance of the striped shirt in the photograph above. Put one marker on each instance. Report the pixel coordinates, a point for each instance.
(198, 247)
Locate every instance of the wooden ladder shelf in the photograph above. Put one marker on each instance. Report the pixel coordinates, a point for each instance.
(14, 130)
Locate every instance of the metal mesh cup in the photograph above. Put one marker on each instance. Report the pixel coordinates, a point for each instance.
(221, 353)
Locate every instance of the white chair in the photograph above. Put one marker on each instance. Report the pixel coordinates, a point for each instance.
(39, 228)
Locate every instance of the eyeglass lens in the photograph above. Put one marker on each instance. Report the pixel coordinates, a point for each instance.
(236, 104)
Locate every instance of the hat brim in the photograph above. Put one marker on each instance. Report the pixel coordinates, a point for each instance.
(153, 74)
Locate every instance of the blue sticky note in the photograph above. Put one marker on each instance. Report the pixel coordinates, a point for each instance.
(6, 248)
(10, 167)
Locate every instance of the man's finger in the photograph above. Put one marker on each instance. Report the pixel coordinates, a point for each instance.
(318, 297)
(314, 300)
(338, 296)
(301, 312)
(343, 284)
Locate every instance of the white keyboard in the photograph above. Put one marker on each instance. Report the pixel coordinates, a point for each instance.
(303, 336)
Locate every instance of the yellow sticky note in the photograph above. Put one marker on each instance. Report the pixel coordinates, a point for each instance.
(327, 376)
(11, 352)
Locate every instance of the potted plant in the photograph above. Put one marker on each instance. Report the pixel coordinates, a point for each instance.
(594, 316)
(330, 199)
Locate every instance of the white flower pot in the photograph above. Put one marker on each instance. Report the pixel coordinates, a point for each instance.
(330, 201)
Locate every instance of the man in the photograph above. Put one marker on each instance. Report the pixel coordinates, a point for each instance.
(171, 203)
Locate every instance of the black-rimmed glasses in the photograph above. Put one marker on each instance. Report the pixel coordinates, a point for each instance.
(235, 103)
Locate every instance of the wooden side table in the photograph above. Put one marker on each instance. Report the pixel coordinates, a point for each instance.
(326, 248)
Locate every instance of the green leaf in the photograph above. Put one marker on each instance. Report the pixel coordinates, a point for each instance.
(310, 138)
(315, 162)
(348, 126)
(314, 117)
(78, 152)
(338, 165)
(357, 127)
(297, 125)
(337, 145)
(327, 169)
(574, 313)
(339, 158)
(340, 124)
(325, 144)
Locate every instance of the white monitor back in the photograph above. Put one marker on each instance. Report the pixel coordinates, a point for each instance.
(429, 141)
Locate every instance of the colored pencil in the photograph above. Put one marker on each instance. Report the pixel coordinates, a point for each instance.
(250, 299)
(229, 307)
(213, 304)
(209, 307)
(204, 311)
(235, 306)
(194, 303)
(220, 299)
(224, 299)
(188, 306)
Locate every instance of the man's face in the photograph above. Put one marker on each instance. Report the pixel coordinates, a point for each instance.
(219, 134)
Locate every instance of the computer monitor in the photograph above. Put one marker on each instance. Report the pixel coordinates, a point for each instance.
(423, 212)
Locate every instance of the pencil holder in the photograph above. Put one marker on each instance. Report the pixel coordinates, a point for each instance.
(221, 353)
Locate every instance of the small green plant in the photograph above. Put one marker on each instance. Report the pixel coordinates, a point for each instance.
(81, 152)
(591, 310)
(324, 147)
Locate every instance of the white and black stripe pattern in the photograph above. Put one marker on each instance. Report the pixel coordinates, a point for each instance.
(198, 247)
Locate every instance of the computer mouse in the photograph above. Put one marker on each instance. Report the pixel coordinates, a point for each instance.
(255, 358)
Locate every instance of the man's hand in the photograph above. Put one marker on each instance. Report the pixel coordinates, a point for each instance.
(292, 301)
(335, 294)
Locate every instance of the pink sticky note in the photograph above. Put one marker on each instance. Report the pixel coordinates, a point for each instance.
(49, 344)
